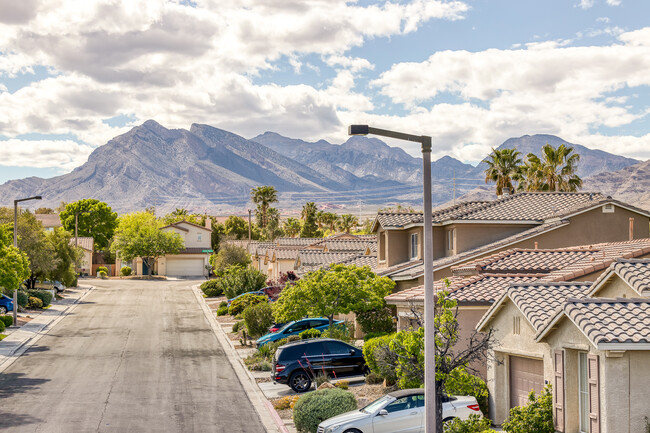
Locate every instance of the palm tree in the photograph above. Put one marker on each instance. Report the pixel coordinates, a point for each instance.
(529, 178)
(292, 227)
(320, 219)
(329, 219)
(263, 197)
(558, 167)
(180, 212)
(347, 221)
(503, 168)
(309, 226)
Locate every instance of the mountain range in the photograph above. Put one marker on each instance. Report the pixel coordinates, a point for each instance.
(209, 169)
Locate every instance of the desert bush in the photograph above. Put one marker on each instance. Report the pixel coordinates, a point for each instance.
(380, 359)
(103, 275)
(379, 320)
(535, 417)
(125, 271)
(237, 280)
(228, 256)
(341, 331)
(237, 326)
(343, 384)
(374, 379)
(222, 311)
(258, 318)
(286, 402)
(460, 382)
(2, 327)
(475, 424)
(43, 295)
(317, 406)
(320, 379)
(34, 302)
(102, 268)
(7, 320)
(212, 288)
(291, 338)
(309, 333)
(240, 304)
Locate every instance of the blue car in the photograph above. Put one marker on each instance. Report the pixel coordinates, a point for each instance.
(295, 328)
(6, 304)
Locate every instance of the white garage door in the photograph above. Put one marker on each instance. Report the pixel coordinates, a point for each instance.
(185, 267)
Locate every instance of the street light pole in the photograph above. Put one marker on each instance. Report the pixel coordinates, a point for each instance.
(37, 197)
(429, 300)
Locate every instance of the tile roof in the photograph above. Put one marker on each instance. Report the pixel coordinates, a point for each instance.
(263, 247)
(49, 220)
(296, 241)
(176, 225)
(540, 302)
(286, 253)
(311, 259)
(87, 243)
(611, 321)
(346, 244)
(523, 260)
(360, 260)
(479, 289)
(635, 272)
(411, 270)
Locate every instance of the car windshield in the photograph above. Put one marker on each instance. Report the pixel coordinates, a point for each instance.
(377, 404)
(285, 326)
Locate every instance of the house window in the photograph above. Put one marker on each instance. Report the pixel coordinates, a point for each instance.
(414, 246)
(608, 208)
(198, 237)
(583, 392)
(451, 235)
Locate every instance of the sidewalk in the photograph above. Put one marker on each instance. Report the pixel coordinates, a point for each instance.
(22, 338)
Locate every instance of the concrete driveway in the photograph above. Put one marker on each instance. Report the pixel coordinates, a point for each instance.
(134, 356)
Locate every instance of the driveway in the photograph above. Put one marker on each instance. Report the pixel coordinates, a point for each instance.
(133, 356)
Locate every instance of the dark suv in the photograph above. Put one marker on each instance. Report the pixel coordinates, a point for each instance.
(296, 363)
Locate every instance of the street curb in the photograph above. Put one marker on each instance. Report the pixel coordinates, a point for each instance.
(269, 417)
(29, 342)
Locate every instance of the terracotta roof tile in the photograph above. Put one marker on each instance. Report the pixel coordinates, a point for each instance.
(635, 272)
(360, 260)
(620, 320)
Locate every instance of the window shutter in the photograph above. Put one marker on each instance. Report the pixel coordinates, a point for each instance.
(558, 390)
(594, 393)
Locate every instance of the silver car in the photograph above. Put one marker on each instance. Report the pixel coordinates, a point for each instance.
(398, 412)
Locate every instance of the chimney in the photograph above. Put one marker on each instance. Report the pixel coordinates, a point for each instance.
(631, 228)
(536, 244)
(208, 223)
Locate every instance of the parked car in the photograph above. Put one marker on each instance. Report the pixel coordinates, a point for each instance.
(295, 328)
(6, 304)
(399, 411)
(50, 285)
(296, 363)
(276, 327)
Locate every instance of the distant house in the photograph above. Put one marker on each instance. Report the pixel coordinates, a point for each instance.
(472, 230)
(86, 244)
(49, 221)
(591, 341)
(190, 261)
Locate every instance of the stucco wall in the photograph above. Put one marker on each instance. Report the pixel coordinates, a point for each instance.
(469, 236)
(616, 288)
(194, 237)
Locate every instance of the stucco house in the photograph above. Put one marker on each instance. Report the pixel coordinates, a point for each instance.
(471, 230)
(190, 261)
(591, 341)
(86, 244)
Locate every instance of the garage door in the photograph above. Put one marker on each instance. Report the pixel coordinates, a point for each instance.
(185, 267)
(526, 374)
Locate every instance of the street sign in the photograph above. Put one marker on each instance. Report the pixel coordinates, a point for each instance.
(207, 251)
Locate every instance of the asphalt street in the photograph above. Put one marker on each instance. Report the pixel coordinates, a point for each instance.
(133, 356)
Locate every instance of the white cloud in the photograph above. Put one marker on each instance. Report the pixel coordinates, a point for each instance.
(586, 4)
(63, 154)
(614, 2)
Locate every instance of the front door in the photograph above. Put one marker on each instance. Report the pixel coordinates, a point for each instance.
(404, 416)
(145, 268)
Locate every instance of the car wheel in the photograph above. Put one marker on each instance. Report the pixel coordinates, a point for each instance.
(448, 420)
(300, 381)
(352, 430)
(3, 309)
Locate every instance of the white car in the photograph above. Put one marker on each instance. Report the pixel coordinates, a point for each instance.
(398, 412)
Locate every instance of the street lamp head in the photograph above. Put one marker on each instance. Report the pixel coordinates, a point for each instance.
(38, 197)
(358, 130)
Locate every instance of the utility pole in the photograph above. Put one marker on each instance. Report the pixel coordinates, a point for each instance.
(454, 186)
(249, 227)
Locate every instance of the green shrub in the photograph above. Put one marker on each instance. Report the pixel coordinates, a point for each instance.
(372, 335)
(7, 320)
(34, 302)
(125, 271)
(320, 379)
(374, 379)
(212, 288)
(376, 321)
(101, 269)
(240, 304)
(309, 333)
(460, 382)
(475, 424)
(535, 417)
(258, 318)
(23, 298)
(317, 406)
(237, 326)
(237, 280)
(2, 326)
(409, 365)
(43, 295)
(291, 338)
(341, 331)
(223, 304)
(380, 359)
(271, 348)
(222, 311)
(103, 275)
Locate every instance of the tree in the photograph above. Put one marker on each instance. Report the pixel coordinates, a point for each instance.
(503, 167)
(329, 219)
(292, 227)
(33, 241)
(530, 176)
(96, 220)
(14, 264)
(236, 227)
(229, 255)
(44, 211)
(138, 234)
(263, 197)
(67, 255)
(558, 167)
(346, 222)
(338, 290)
(272, 229)
(309, 226)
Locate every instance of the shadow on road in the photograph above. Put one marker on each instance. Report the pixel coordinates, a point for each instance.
(15, 383)
(15, 420)
(36, 349)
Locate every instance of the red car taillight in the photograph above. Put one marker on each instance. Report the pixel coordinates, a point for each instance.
(474, 407)
(279, 368)
(272, 330)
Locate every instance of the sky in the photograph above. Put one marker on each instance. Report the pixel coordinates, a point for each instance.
(469, 73)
